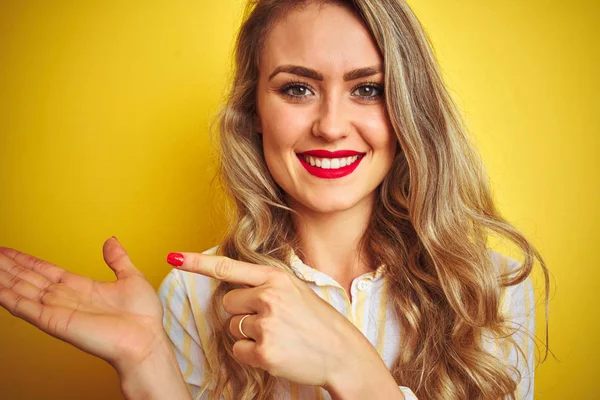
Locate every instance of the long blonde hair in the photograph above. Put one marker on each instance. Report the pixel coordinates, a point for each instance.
(430, 226)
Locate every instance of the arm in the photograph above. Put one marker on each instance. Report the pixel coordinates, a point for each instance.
(518, 308)
(368, 377)
(157, 377)
(183, 322)
(522, 316)
(174, 370)
(373, 383)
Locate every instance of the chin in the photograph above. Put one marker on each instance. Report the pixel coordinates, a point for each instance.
(330, 204)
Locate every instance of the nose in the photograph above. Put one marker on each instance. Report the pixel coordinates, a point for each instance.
(332, 122)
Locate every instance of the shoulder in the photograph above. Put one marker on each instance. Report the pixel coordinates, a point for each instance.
(188, 286)
(517, 345)
(503, 263)
(516, 300)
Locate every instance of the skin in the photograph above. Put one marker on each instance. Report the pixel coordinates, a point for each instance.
(331, 114)
(119, 322)
(106, 320)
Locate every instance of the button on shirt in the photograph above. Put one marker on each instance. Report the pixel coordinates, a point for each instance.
(186, 297)
(362, 286)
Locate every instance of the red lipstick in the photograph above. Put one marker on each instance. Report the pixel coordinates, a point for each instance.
(330, 173)
(332, 154)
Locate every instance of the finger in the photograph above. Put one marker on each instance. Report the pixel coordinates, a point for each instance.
(61, 296)
(118, 260)
(21, 286)
(10, 267)
(245, 352)
(251, 300)
(52, 272)
(22, 307)
(56, 321)
(19, 280)
(224, 268)
(248, 326)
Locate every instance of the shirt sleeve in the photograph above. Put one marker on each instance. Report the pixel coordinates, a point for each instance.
(408, 394)
(181, 328)
(520, 312)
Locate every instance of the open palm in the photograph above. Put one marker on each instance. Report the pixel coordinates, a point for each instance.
(120, 321)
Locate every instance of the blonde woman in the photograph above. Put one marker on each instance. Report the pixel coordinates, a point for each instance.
(357, 263)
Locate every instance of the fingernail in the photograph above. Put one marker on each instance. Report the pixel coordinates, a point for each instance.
(175, 259)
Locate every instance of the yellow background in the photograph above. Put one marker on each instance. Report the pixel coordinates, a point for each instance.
(104, 108)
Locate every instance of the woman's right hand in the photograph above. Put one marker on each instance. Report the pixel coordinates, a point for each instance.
(120, 321)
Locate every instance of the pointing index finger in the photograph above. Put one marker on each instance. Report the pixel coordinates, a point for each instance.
(221, 268)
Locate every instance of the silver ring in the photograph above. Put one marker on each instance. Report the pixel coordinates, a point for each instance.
(240, 325)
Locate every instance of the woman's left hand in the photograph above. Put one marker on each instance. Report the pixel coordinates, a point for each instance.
(295, 334)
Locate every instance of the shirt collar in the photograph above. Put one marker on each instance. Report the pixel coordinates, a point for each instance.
(310, 274)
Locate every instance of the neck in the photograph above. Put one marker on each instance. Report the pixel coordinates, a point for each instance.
(330, 241)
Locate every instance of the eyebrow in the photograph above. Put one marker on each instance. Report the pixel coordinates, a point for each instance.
(312, 74)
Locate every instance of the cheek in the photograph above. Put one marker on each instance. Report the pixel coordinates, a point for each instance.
(282, 128)
(378, 132)
(287, 126)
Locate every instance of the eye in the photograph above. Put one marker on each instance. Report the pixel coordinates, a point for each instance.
(296, 90)
(368, 91)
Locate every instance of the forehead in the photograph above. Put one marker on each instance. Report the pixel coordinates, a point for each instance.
(329, 38)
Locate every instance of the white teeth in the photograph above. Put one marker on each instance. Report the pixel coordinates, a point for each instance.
(330, 163)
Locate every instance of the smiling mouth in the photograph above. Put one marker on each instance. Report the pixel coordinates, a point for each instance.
(330, 163)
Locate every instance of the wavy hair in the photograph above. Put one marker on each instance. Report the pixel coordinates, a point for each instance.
(431, 222)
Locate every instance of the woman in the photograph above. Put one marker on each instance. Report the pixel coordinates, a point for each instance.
(357, 261)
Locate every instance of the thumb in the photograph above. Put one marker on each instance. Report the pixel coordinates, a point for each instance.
(118, 260)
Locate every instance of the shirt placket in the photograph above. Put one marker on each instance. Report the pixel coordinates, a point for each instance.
(359, 288)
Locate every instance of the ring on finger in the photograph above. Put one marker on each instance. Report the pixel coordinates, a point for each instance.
(240, 326)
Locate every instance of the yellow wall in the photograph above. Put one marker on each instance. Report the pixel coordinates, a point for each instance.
(103, 114)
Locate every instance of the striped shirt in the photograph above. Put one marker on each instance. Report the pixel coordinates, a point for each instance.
(186, 296)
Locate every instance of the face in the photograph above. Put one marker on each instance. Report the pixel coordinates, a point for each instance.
(321, 111)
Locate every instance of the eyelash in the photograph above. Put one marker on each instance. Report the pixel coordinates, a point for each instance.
(298, 83)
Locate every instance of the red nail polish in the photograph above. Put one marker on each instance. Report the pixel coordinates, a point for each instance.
(175, 259)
